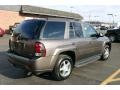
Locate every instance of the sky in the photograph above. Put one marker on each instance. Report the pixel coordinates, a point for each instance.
(89, 9)
(92, 12)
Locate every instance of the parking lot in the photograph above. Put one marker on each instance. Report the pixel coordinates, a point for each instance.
(99, 72)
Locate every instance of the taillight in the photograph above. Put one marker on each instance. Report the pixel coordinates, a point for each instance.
(40, 49)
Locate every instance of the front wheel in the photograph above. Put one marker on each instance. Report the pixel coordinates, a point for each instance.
(106, 53)
(63, 67)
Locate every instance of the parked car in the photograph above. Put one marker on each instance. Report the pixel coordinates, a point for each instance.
(12, 28)
(2, 32)
(56, 46)
(103, 28)
(114, 34)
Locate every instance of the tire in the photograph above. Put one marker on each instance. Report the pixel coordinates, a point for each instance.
(106, 53)
(63, 67)
(112, 38)
(27, 73)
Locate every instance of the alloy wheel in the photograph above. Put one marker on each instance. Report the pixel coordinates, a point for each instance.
(65, 68)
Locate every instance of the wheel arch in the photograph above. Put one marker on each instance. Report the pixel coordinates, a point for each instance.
(71, 54)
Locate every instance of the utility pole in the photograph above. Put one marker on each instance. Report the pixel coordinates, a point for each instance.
(112, 17)
(71, 8)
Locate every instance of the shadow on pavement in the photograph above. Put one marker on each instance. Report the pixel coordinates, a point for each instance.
(8, 70)
(47, 76)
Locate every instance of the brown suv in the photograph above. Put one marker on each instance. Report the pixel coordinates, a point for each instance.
(56, 45)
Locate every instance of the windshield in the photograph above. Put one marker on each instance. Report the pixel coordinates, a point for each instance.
(29, 29)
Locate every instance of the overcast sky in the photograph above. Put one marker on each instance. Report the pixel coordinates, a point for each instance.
(89, 9)
(92, 12)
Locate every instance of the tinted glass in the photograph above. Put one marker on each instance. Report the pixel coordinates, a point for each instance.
(54, 30)
(29, 29)
(71, 31)
(88, 30)
(78, 29)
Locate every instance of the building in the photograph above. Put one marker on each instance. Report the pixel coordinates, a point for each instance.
(10, 14)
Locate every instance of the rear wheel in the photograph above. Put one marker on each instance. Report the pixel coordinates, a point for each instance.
(106, 53)
(27, 73)
(63, 67)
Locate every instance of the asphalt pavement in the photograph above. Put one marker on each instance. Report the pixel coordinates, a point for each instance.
(99, 72)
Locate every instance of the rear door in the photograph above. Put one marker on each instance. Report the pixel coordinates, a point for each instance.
(24, 37)
(77, 39)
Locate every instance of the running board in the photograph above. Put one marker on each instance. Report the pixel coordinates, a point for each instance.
(88, 60)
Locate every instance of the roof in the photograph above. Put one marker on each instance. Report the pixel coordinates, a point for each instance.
(26, 9)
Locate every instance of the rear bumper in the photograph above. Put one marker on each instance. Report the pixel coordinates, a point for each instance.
(19, 61)
(35, 65)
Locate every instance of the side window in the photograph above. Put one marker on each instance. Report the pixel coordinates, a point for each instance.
(54, 30)
(88, 30)
(78, 29)
(71, 31)
(75, 30)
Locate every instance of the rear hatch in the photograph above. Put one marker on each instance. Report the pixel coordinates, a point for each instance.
(24, 37)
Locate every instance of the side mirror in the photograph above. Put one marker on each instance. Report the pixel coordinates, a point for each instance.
(97, 35)
(94, 35)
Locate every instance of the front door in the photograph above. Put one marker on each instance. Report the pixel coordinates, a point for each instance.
(95, 46)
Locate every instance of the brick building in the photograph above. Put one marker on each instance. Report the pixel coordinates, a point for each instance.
(10, 14)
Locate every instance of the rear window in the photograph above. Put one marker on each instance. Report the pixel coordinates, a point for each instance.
(53, 30)
(30, 29)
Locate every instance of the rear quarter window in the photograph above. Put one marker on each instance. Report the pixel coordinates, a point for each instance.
(54, 30)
